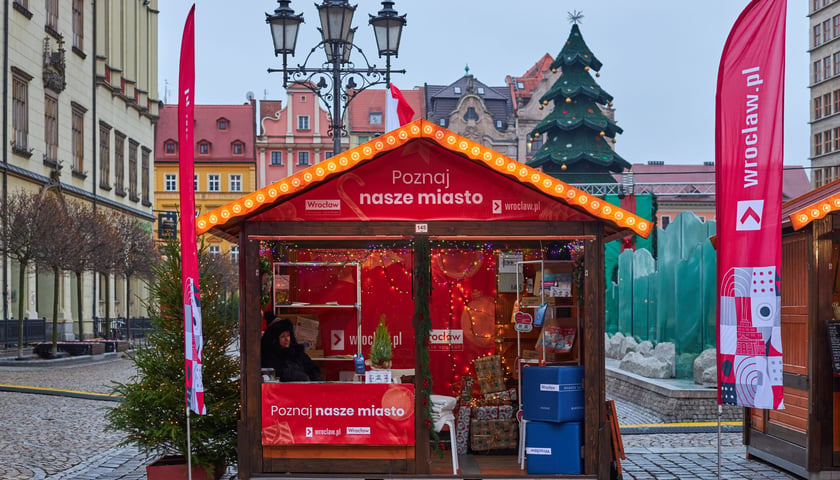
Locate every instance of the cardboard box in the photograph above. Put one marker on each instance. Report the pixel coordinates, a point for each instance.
(552, 394)
(493, 434)
(553, 448)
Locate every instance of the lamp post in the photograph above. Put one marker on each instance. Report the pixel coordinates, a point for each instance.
(337, 80)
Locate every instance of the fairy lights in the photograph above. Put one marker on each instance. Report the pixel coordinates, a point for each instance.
(419, 129)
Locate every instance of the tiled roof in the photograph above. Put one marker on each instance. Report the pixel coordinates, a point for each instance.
(240, 127)
(443, 99)
(289, 187)
(373, 100)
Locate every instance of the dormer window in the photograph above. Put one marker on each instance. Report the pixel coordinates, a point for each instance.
(520, 85)
(238, 148)
(375, 118)
(169, 147)
(303, 99)
(457, 90)
(222, 123)
(204, 148)
(480, 90)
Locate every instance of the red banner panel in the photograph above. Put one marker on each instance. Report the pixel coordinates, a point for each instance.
(423, 181)
(337, 414)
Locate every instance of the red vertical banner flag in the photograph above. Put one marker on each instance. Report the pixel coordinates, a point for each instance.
(193, 337)
(749, 141)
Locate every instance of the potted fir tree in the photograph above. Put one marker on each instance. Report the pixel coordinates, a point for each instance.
(153, 410)
(380, 348)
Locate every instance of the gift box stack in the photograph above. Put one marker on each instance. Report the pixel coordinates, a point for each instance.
(462, 415)
(492, 426)
(552, 406)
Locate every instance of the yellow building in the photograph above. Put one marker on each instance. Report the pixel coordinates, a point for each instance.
(224, 165)
(81, 102)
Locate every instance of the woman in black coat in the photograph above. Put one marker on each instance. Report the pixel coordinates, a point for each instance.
(281, 352)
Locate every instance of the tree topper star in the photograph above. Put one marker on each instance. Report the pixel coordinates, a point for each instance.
(575, 16)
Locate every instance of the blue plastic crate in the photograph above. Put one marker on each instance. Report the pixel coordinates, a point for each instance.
(552, 394)
(554, 448)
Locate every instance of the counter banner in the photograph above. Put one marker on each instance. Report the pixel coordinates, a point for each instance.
(749, 144)
(337, 414)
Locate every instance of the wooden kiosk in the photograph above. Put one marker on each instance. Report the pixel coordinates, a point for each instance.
(804, 438)
(408, 190)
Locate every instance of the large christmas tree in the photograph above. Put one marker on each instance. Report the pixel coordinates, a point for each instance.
(576, 133)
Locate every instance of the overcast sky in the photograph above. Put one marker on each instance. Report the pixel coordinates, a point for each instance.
(660, 57)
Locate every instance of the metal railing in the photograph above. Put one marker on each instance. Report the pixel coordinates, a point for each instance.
(34, 330)
(662, 189)
(118, 328)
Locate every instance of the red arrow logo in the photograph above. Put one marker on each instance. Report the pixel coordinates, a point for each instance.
(749, 212)
(336, 339)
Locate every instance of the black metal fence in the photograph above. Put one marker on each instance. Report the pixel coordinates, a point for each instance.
(140, 328)
(34, 330)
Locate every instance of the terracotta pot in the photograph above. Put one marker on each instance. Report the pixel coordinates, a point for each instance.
(175, 468)
(386, 365)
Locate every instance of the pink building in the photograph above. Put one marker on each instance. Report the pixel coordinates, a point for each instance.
(292, 137)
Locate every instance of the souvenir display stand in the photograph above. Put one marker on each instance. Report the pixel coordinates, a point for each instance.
(426, 214)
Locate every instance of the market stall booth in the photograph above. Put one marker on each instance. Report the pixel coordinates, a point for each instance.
(486, 274)
(805, 437)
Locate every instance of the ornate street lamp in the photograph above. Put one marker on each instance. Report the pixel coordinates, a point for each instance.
(336, 81)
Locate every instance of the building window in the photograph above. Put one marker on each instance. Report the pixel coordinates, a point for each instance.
(215, 250)
(303, 122)
(817, 72)
(104, 156)
(817, 108)
(169, 147)
(303, 158)
(222, 124)
(826, 30)
(51, 128)
(78, 24)
(303, 99)
(827, 141)
(144, 181)
(238, 148)
(23, 3)
(277, 158)
(52, 15)
(328, 154)
(826, 67)
(817, 35)
(480, 90)
(817, 144)
(443, 122)
(363, 139)
(78, 138)
(520, 85)
(204, 148)
(170, 182)
(20, 111)
(457, 90)
(499, 124)
(213, 183)
(827, 104)
(195, 182)
(665, 220)
(132, 170)
(835, 31)
(234, 253)
(375, 118)
(236, 183)
(818, 182)
(119, 162)
(836, 60)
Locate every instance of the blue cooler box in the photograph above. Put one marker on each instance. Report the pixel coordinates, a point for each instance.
(552, 394)
(554, 448)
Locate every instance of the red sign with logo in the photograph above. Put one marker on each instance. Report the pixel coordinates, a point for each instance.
(338, 414)
(422, 182)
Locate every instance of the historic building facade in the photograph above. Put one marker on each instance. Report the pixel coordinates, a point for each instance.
(224, 166)
(81, 102)
(824, 42)
(293, 137)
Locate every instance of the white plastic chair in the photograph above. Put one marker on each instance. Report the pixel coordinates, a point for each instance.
(443, 414)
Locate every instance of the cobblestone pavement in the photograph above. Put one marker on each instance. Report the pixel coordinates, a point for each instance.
(50, 437)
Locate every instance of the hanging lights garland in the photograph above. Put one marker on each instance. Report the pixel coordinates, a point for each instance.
(422, 323)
